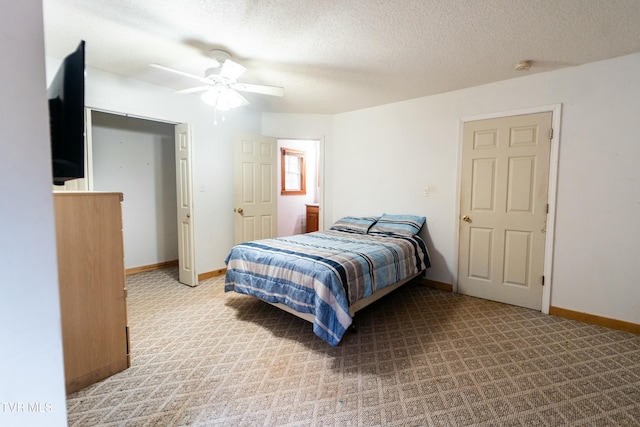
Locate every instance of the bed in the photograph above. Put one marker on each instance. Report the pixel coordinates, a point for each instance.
(325, 277)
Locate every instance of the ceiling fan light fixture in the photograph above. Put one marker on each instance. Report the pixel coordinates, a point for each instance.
(223, 99)
(210, 97)
(230, 99)
(221, 87)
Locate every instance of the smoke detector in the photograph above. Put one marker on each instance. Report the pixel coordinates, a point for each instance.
(523, 65)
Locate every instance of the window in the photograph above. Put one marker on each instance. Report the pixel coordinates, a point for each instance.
(293, 172)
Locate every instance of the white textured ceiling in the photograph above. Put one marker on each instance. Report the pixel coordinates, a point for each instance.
(334, 56)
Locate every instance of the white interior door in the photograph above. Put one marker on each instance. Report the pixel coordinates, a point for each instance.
(184, 194)
(255, 182)
(503, 208)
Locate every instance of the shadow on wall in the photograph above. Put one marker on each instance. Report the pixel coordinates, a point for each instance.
(438, 262)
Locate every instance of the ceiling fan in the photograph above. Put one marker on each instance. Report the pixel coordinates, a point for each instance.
(221, 86)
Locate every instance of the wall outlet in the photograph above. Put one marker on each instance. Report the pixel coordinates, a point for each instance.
(425, 191)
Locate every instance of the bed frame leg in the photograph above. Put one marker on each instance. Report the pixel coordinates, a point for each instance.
(353, 329)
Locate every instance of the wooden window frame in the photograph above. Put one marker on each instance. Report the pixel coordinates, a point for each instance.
(284, 152)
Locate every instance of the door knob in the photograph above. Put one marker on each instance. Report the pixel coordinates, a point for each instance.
(240, 211)
(466, 218)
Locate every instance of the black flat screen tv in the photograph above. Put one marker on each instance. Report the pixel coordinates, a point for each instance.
(66, 118)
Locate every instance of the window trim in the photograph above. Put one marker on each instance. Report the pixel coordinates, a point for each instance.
(284, 152)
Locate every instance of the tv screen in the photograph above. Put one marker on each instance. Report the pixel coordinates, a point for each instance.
(66, 118)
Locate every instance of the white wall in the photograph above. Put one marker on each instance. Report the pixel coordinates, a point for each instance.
(212, 150)
(382, 157)
(31, 364)
(387, 155)
(137, 158)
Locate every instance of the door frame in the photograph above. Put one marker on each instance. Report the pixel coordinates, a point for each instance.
(319, 174)
(556, 111)
(89, 159)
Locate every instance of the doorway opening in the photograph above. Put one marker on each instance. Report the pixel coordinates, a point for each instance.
(294, 205)
(136, 157)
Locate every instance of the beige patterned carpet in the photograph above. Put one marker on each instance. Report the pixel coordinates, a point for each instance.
(420, 357)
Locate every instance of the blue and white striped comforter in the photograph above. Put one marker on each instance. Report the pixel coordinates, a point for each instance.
(323, 273)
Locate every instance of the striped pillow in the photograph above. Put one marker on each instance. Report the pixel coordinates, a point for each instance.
(398, 225)
(352, 224)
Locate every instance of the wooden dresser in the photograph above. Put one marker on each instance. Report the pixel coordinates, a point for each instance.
(313, 217)
(95, 333)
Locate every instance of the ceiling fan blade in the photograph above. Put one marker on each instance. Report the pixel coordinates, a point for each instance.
(241, 100)
(182, 73)
(265, 90)
(232, 70)
(194, 89)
